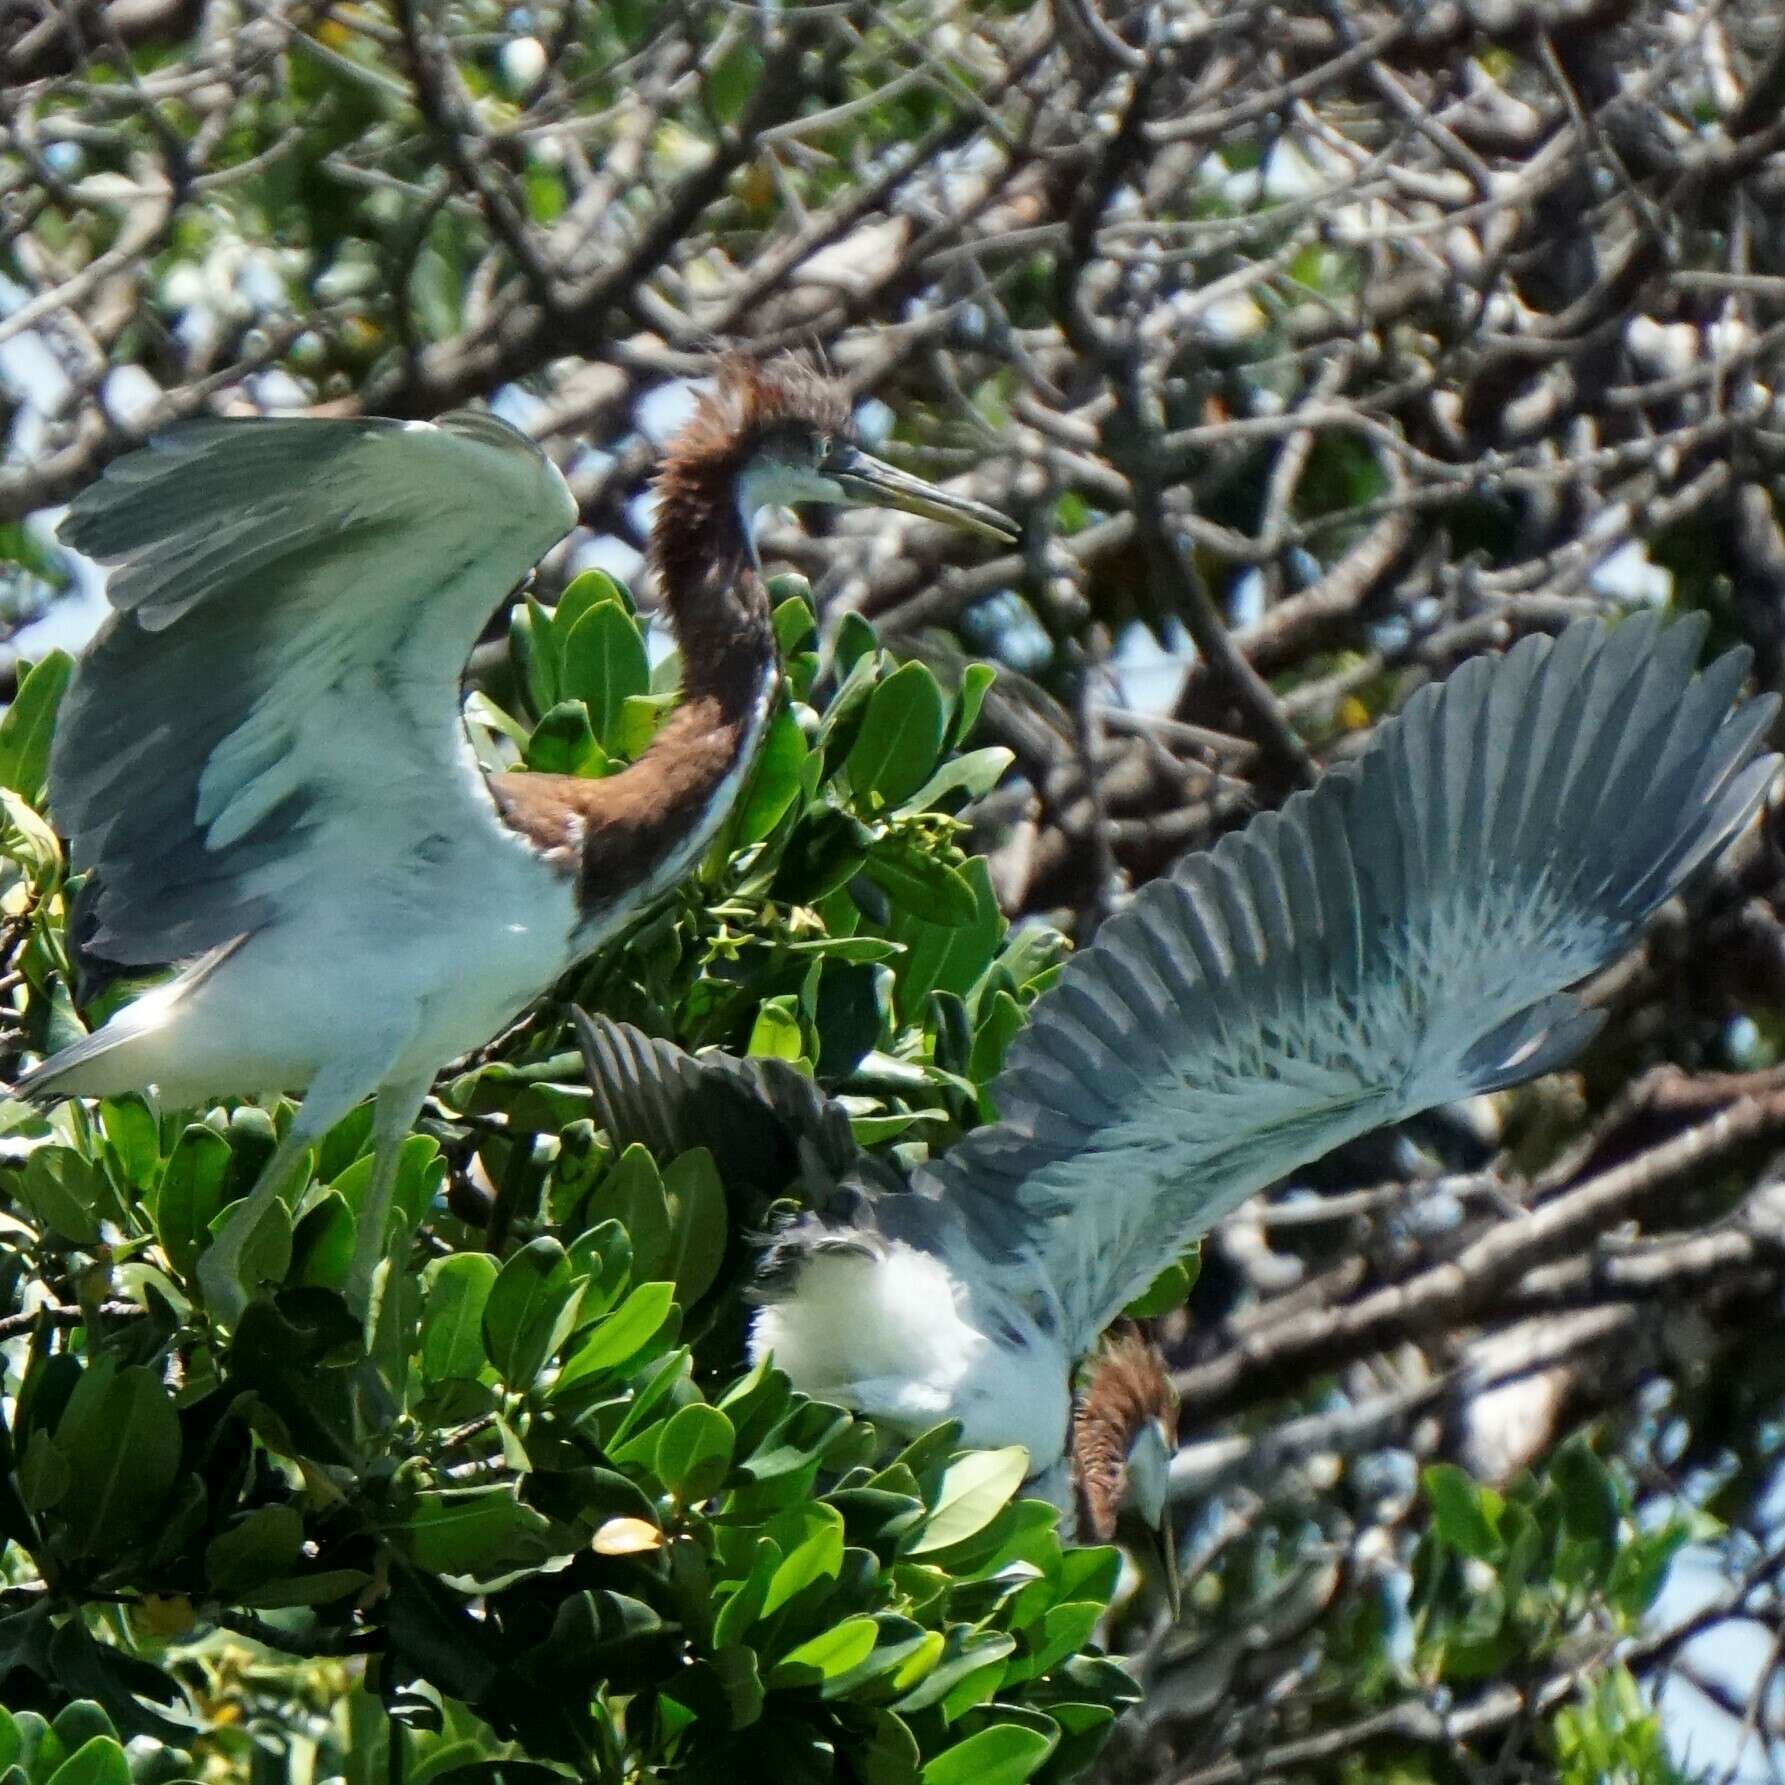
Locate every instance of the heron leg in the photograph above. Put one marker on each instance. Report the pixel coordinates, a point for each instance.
(398, 1106)
(220, 1269)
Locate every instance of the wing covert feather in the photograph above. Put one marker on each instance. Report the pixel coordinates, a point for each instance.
(294, 603)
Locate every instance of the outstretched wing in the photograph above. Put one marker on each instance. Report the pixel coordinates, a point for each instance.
(1397, 937)
(279, 684)
(771, 1130)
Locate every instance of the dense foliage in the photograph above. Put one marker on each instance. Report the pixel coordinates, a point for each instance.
(547, 1508)
(1317, 347)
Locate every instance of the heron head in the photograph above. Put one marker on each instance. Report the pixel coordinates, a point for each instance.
(1123, 1435)
(781, 430)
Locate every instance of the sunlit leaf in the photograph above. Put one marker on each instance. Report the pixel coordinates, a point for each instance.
(900, 737)
(974, 1490)
(30, 720)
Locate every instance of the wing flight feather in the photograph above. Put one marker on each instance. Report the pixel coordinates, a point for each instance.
(1399, 936)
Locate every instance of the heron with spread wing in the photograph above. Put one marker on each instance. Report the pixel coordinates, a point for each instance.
(1403, 934)
(262, 772)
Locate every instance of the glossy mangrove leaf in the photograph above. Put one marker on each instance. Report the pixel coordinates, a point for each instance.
(529, 1311)
(455, 1294)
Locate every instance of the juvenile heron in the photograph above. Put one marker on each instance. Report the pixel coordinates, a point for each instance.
(1399, 936)
(260, 764)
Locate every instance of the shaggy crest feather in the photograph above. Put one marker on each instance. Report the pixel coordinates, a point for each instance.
(1128, 1388)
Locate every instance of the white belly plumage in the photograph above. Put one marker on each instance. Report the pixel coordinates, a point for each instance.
(398, 976)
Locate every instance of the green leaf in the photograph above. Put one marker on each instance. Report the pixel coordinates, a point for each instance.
(191, 1193)
(265, 1545)
(920, 885)
(323, 1587)
(476, 1531)
(530, 1311)
(903, 1652)
(827, 1655)
(530, 649)
(826, 850)
(121, 1438)
(651, 1400)
(78, 1723)
(134, 1137)
(947, 958)
(775, 1035)
(62, 1190)
(1466, 1514)
(698, 1226)
(1005, 1754)
(1170, 1289)
(563, 742)
(694, 1452)
(481, 710)
(641, 718)
(900, 737)
(1641, 1568)
(322, 1244)
(811, 1540)
(890, 1755)
(455, 1292)
(632, 1194)
(794, 621)
(494, 1772)
(972, 1670)
(1590, 1506)
(601, 662)
(1065, 1629)
(44, 1479)
(621, 1336)
(732, 79)
(975, 1489)
(589, 588)
(855, 644)
(97, 1762)
(604, 1255)
(724, 1691)
(1000, 1021)
(974, 774)
(976, 682)
(775, 781)
(30, 842)
(30, 723)
(744, 1606)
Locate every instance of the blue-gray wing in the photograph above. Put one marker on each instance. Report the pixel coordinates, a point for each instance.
(771, 1130)
(277, 689)
(1401, 935)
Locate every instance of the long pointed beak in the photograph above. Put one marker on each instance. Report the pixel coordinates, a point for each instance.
(867, 479)
(1162, 1540)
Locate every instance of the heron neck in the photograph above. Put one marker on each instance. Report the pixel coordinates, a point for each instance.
(628, 837)
(652, 821)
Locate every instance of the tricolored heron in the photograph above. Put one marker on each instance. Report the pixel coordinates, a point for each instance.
(1401, 935)
(260, 765)
(268, 781)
